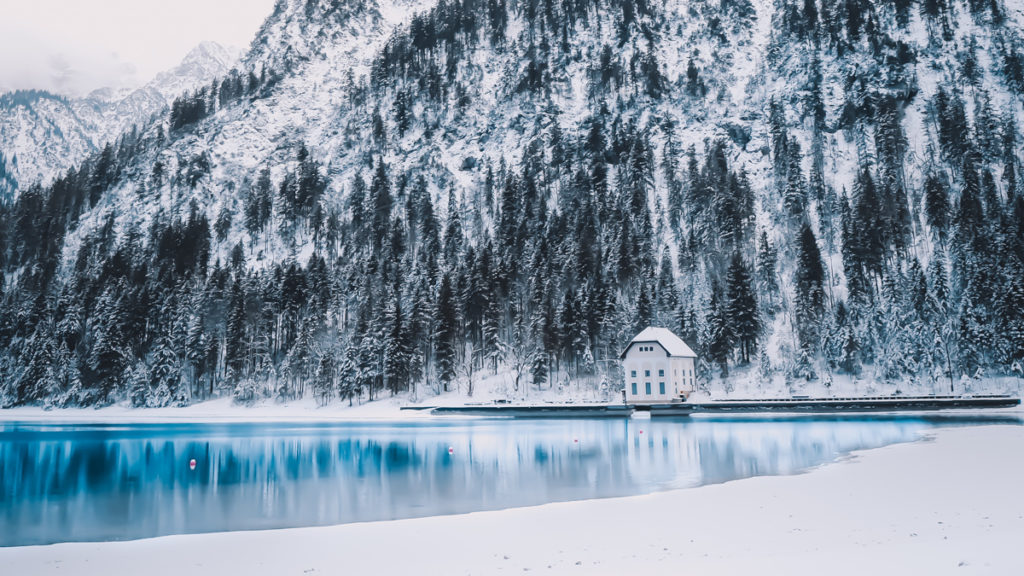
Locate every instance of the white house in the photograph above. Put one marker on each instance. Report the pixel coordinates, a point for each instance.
(659, 367)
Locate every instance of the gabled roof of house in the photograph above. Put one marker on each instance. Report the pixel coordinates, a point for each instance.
(672, 344)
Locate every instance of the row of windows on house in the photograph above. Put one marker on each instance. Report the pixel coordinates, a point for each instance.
(646, 348)
(647, 388)
(661, 373)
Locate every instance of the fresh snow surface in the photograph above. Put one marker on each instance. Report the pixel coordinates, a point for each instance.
(488, 387)
(672, 344)
(941, 506)
(221, 410)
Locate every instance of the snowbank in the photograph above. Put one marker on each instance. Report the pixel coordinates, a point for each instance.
(220, 410)
(487, 389)
(951, 504)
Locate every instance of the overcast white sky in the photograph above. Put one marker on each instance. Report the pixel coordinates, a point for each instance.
(74, 46)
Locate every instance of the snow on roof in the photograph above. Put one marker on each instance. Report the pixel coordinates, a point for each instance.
(673, 344)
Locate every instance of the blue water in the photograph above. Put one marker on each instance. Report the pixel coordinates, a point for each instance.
(101, 482)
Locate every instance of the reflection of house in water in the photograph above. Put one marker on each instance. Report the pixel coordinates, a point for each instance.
(685, 452)
(659, 367)
(663, 454)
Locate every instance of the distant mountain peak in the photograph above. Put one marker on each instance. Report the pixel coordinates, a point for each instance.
(49, 133)
(208, 52)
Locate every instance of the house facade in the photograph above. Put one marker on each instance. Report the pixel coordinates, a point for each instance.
(659, 367)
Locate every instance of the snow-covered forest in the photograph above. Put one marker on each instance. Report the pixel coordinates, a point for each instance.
(399, 195)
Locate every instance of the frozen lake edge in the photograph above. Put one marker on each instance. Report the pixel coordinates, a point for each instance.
(938, 506)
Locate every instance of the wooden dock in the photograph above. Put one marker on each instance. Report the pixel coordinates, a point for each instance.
(836, 405)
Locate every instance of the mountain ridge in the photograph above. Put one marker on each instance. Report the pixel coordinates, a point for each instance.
(44, 134)
(389, 196)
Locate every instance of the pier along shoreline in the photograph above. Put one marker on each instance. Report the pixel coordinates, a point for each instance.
(841, 405)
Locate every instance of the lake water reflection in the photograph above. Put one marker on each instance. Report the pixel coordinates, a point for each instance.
(62, 483)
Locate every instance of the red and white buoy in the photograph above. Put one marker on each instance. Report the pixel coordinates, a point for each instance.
(192, 464)
(451, 450)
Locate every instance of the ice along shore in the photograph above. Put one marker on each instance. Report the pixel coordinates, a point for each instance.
(949, 504)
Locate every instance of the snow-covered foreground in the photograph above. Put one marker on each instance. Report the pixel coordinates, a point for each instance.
(950, 504)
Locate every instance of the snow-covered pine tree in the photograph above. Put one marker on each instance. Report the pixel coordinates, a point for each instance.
(743, 317)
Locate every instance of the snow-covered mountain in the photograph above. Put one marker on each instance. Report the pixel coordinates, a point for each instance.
(399, 194)
(43, 134)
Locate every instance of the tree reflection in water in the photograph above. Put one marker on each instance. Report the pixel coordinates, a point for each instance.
(113, 482)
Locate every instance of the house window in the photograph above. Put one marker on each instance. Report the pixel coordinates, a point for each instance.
(632, 373)
(647, 372)
(647, 388)
(661, 373)
(634, 388)
(661, 388)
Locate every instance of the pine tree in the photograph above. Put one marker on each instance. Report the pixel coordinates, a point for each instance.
(936, 202)
(810, 296)
(403, 113)
(453, 236)
(223, 225)
(1011, 312)
(165, 376)
(491, 331)
(138, 385)
(795, 193)
(744, 320)
(969, 220)
(445, 332)
(397, 348)
(868, 238)
(348, 374)
(298, 359)
(767, 280)
(109, 354)
(323, 385)
(380, 208)
(235, 330)
(973, 333)
(721, 339)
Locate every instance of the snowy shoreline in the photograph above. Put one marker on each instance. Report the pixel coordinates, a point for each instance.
(390, 409)
(387, 410)
(220, 410)
(935, 506)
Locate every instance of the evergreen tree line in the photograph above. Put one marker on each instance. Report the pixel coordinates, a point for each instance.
(599, 227)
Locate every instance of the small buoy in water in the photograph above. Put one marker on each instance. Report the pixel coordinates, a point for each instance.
(641, 431)
(451, 450)
(192, 464)
(576, 440)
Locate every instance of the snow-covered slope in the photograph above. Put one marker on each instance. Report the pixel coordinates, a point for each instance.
(804, 191)
(43, 134)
